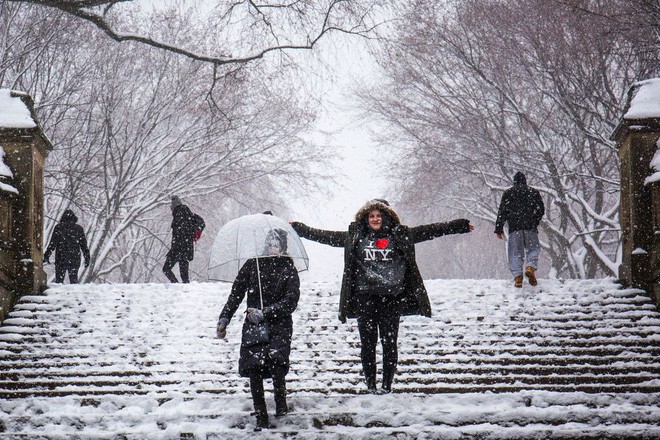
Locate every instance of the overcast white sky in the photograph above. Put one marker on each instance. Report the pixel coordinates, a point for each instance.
(330, 71)
(359, 164)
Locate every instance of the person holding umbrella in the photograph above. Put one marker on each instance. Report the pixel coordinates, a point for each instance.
(381, 280)
(270, 281)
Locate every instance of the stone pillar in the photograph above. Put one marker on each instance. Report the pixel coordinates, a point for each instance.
(26, 148)
(655, 256)
(7, 260)
(637, 137)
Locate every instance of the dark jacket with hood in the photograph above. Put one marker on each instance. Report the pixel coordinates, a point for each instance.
(280, 287)
(184, 225)
(67, 242)
(521, 207)
(414, 300)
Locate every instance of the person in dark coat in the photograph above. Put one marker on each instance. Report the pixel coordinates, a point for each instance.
(186, 229)
(277, 278)
(68, 241)
(522, 208)
(381, 280)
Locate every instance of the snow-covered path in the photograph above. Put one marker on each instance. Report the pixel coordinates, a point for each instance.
(572, 359)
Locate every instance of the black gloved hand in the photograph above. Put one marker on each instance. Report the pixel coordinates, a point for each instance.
(255, 316)
(221, 329)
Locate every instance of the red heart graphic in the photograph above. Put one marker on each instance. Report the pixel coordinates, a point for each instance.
(382, 243)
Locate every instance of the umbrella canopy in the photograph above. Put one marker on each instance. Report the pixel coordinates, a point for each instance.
(251, 236)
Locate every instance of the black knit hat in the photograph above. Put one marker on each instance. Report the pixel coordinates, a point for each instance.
(176, 201)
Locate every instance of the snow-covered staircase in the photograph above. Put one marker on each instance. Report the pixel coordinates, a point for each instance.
(571, 359)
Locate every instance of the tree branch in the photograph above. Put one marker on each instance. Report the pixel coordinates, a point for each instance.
(83, 10)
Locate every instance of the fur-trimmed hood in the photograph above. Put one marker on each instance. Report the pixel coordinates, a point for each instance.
(381, 205)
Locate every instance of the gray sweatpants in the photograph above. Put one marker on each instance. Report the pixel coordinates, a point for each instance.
(523, 247)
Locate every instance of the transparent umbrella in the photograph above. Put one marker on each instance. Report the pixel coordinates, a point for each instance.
(247, 237)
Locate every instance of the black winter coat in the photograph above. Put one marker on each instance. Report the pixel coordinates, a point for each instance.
(280, 287)
(521, 207)
(184, 224)
(415, 299)
(67, 242)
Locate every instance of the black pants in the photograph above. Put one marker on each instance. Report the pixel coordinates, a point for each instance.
(257, 390)
(62, 269)
(170, 261)
(378, 315)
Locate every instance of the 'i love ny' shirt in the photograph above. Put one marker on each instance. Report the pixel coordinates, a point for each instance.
(381, 266)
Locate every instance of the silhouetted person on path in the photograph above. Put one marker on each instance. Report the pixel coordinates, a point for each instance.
(68, 241)
(186, 229)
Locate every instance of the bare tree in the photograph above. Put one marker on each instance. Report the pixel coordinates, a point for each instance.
(150, 138)
(242, 30)
(478, 90)
(133, 125)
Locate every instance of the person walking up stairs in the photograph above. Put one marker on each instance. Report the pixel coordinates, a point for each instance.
(522, 209)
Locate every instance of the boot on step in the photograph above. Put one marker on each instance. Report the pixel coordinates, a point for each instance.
(370, 379)
(388, 378)
(281, 408)
(262, 418)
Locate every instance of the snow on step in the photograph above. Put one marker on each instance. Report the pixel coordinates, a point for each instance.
(567, 359)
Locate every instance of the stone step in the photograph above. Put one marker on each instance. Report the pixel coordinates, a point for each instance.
(409, 368)
(228, 379)
(533, 364)
(294, 423)
(500, 355)
(342, 389)
(56, 363)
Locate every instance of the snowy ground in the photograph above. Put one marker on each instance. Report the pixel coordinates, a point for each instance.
(573, 359)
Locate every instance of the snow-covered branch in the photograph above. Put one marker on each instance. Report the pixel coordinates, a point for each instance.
(292, 26)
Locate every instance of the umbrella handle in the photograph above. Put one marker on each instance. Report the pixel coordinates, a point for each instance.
(261, 298)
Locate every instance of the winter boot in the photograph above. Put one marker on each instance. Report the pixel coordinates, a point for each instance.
(531, 275)
(262, 418)
(517, 281)
(281, 408)
(170, 276)
(388, 378)
(371, 382)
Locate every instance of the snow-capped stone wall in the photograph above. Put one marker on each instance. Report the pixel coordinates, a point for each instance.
(645, 100)
(14, 113)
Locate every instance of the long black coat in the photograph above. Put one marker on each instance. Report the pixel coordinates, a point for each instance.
(280, 287)
(68, 241)
(415, 299)
(184, 224)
